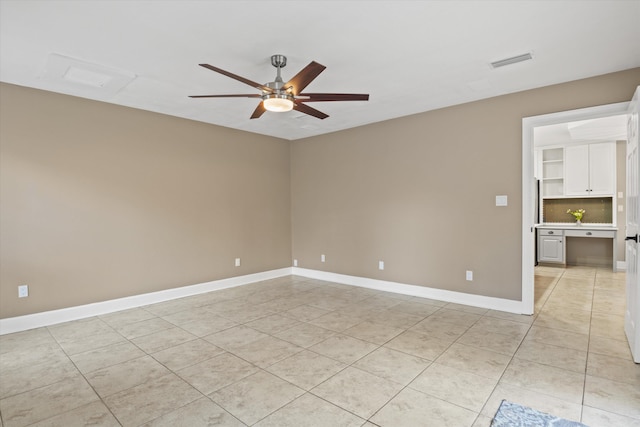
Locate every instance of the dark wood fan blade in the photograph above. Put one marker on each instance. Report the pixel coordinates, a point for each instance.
(304, 77)
(225, 96)
(258, 111)
(299, 106)
(239, 78)
(317, 97)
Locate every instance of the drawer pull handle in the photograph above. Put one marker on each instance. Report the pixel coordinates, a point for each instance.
(589, 233)
(549, 232)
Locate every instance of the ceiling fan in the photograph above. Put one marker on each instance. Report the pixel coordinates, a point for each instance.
(280, 96)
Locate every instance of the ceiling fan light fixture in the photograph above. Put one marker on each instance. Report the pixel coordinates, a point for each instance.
(278, 103)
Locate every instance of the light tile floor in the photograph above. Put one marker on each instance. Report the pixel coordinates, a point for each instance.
(300, 352)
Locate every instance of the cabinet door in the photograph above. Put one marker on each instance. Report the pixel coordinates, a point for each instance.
(550, 249)
(602, 169)
(576, 166)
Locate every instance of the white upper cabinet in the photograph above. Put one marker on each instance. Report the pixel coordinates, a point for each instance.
(590, 170)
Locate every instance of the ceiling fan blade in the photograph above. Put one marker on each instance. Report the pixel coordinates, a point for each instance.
(239, 78)
(317, 97)
(258, 111)
(225, 96)
(304, 77)
(299, 106)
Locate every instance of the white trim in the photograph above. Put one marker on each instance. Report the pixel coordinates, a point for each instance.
(500, 304)
(37, 320)
(621, 265)
(528, 233)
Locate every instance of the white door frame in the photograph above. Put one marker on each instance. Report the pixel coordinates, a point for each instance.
(528, 195)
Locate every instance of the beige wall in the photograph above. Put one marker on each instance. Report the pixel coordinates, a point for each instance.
(419, 192)
(100, 201)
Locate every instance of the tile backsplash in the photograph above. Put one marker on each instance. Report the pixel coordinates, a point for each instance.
(598, 210)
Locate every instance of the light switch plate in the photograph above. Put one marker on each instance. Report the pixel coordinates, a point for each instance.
(620, 195)
(501, 200)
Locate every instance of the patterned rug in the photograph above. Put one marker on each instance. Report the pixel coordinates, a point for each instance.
(513, 415)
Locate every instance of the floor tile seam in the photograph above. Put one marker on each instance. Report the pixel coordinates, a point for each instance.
(560, 346)
(4, 370)
(65, 377)
(78, 373)
(453, 403)
(548, 365)
(175, 371)
(500, 378)
(426, 394)
(71, 410)
(609, 411)
(335, 404)
(636, 384)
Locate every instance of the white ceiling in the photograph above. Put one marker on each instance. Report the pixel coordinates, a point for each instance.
(611, 128)
(410, 56)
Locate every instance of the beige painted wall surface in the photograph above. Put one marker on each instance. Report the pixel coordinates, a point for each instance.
(419, 192)
(101, 201)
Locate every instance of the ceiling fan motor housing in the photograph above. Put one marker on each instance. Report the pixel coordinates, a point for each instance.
(278, 61)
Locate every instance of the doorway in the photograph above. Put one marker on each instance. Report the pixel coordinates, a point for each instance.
(528, 191)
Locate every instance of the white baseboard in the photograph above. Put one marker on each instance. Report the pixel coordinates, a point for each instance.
(37, 320)
(500, 304)
(621, 266)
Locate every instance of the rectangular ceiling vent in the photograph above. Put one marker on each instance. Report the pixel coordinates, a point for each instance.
(513, 60)
(81, 78)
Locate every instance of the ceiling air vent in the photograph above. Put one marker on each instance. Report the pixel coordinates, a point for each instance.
(513, 60)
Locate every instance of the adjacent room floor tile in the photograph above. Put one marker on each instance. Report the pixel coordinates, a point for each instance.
(547, 354)
(560, 383)
(613, 396)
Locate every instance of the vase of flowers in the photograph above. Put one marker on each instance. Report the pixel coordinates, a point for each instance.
(577, 214)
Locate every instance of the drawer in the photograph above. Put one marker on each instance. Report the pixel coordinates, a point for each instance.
(590, 233)
(549, 232)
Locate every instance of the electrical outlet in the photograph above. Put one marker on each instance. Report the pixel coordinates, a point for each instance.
(295, 262)
(620, 208)
(237, 262)
(23, 291)
(469, 275)
(380, 265)
(322, 258)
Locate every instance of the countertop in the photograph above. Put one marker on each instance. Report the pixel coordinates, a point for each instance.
(573, 226)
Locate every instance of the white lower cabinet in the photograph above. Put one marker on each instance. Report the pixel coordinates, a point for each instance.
(550, 245)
